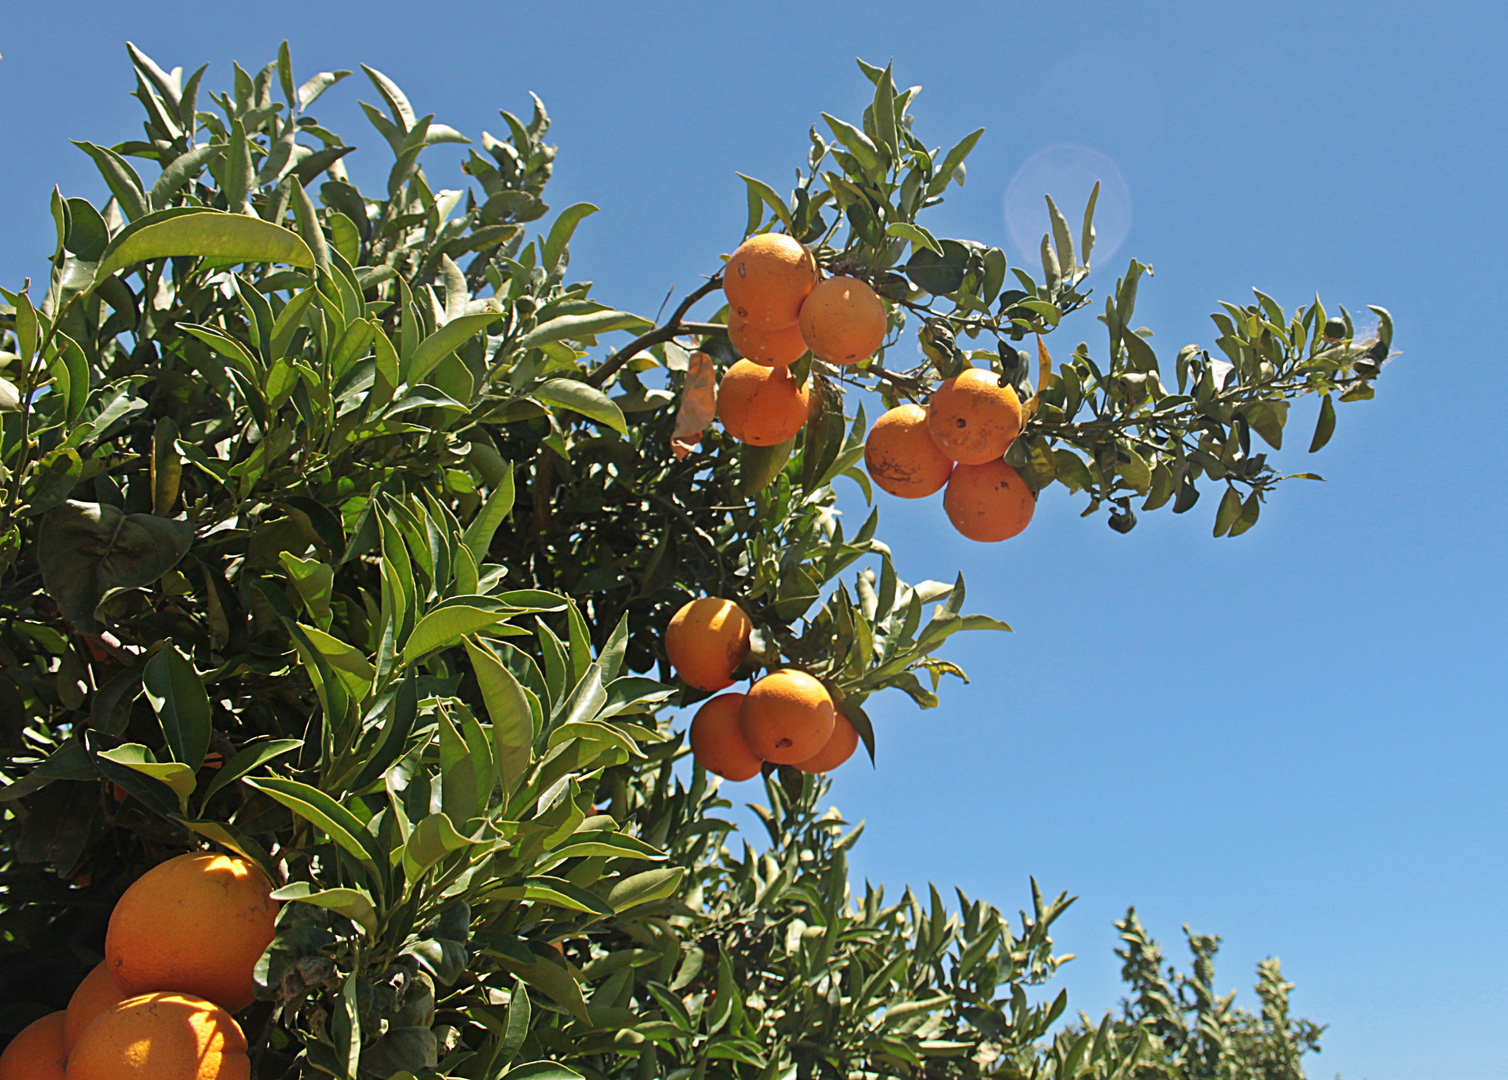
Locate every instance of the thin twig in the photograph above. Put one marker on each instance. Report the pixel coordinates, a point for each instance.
(609, 367)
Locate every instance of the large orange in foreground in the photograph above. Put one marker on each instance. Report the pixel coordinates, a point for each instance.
(91, 997)
(988, 502)
(718, 743)
(767, 278)
(38, 1052)
(973, 419)
(196, 924)
(843, 321)
(840, 747)
(706, 641)
(780, 346)
(901, 456)
(762, 406)
(787, 717)
(161, 1037)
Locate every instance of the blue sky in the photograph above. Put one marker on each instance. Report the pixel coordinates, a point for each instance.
(1292, 739)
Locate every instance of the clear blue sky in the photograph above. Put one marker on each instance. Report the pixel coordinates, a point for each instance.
(1293, 739)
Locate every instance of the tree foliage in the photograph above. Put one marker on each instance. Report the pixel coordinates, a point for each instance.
(333, 535)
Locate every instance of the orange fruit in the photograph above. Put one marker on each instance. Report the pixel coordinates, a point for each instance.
(782, 345)
(93, 996)
(762, 406)
(973, 419)
(718, 743)
(843, 320)
(766, 279)
(38, 1052)
(901, 456)
(787, 717)
(161, 1037)
(988, 502)
(706, 641)
(840, 747)
(196, 924)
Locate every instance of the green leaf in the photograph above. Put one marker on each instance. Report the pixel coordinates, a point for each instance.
(247, 758)
(499, 504)
(587, 400)
(561, 232)
(120, 178)
(1087, 236)
(182, 706)
(89, 551)
(955, 158)
(513, 731)
(433, 838)
(446, 340)
(760, 192)
(211, 234)
(919, 237)
(581, 327)
(542, 1070)
(644, 888)
(354, 904)
(446, 626)
(138, 758)
(1229, 511)
(555, 892)
(1325, 426)
(327, 815)
(859, 145)
(549, 976)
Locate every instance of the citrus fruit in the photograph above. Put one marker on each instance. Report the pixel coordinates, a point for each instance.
(901, 456)
(988, 502)
(973, 419)
(766, 279)
(38, 1052)
(762, 406)
(787, 717)
(706, 641)
(843, 321)
(719, 744)
(196, 924)
(839, 748)
(781, 345)
(161, 1037)
(93, 996)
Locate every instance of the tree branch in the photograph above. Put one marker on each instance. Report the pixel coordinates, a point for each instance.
(674, 326)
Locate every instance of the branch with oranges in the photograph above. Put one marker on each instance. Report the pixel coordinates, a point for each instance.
(828, 298)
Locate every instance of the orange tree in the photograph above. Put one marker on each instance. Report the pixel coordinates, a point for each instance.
(332, 537)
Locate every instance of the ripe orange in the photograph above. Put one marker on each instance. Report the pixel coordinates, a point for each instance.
(787, 717)
(843, 320)
(93, 996)
(706, 641)
(839, 748)
(161, 1037)
(782, 345)
(762, 406)
(717, 741)
(196, 924)
(766, 279)
(988, 502)
(901, 456)
(38, 1052)
(973, 419)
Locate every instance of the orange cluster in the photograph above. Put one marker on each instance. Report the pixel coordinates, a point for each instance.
(959, 441)
(779, 306)
(179, 954)
(787, 717)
